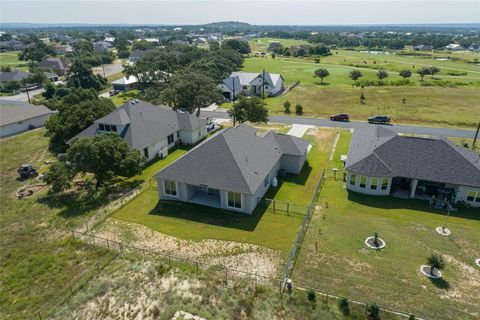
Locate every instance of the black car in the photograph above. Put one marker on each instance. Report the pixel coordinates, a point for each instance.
(379, 120)
(340, 117)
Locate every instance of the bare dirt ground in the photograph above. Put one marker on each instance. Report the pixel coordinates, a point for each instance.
(234, 255)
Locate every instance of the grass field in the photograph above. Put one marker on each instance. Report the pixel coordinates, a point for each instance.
(263, 227)
(422, 105)
(10, 58)
(333, 257)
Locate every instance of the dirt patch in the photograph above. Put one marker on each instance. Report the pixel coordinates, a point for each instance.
(234, 255)
(322, 134)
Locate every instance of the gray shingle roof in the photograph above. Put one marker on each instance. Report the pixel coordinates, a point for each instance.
(16, 111)
(289, 144)
(17, 75)
(380, 152)
(247, 77)
(146, 123)
(229, 82)
(236, 159)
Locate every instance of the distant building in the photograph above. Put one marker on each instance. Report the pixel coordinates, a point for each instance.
(249, 83)
(15, 75)
(138, 54)
(100, 46)
(474, 47)
(60, 66)
(180, 43)
(125, 83)
(62, 48)
(19, 116)
(454, 47)
(423, 47)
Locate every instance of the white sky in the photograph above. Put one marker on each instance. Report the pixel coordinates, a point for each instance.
(254, 12)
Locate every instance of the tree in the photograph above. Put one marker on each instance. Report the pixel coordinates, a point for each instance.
(299, 109)
(59, 177)
(83, 46)
(355, 75)
(235, 44)
(274, 55)
(105, 155)
(286, 107)
(37, 52)
(382, 74)
(373, 312)
(153, 69)
(411, 317)
(49, 90)
(435, 262)
(249, 109)
(405, 73)
(321, 73)
(142, 45)
(81, 76)
(423, 72)
(191, 90)
(311, 295)
(434, 70)
(123, 54)
(343, 306)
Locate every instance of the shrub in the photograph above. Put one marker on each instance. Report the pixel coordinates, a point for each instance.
(343, 306)
(411, 317)
(162, 269)
(286, 106)
(311, 295)
(373, 312)
(298, 109)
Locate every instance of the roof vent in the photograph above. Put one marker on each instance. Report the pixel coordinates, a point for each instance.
(136, 100)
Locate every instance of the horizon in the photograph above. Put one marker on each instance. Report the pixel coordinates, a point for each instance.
(280, 12)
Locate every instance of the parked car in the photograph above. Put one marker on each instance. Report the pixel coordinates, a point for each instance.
(27, 171)
(210, 126)
(340, 117)
(379, 120)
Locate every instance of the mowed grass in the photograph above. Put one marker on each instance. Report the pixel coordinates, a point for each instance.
(263, 227)
(407, 104)
(38, 258)
(10, 58)
(333, 256)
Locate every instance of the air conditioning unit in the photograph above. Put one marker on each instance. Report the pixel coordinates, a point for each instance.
(163, 153)
(274, 182)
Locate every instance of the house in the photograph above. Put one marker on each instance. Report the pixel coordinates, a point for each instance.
(60, 66)
(150, 129)
(15, 75)
(272, 45)
(454, 47)
(100, 46)
(233, 169)
(180, 43)
(51, 76)
(125, 83)
(138, 54)
(251, 84)
(59, 48)
(19, 116)
(423, 47)
(474, 47)
(380, 162)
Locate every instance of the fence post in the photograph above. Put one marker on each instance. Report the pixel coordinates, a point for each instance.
(108, 244)
(73, 234)
(288, 208)
(197, 267)
(71, 289)
(273, 206)
(326, 300)
(226, 276)
(86, 226)
(98, 267)
(366, 308)
(39, 316)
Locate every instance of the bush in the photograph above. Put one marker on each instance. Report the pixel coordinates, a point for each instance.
(299, 109)
(343, 306)
(311, 295)
(373, 312)
(411, 317)
(286, 107)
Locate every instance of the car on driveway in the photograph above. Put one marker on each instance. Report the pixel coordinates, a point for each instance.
(340, 117)
(379, 120)
(210, 126)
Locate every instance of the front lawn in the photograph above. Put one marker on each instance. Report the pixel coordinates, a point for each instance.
(263, 227)
(334, 258)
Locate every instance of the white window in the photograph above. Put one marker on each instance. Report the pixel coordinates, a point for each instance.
(363, 181)
(234, 200)
(170, 188)
(353, 178)
(384, 184)
(373, 183)
(473, 196)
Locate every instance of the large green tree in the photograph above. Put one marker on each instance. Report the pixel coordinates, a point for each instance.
(321, 73)
(81, 76)
(249, 109)
(36, 52)
(153, 69)
(355, 75)
(423, 72)
(382, 74)
(191, 90)
(405, 73)
(237, 45)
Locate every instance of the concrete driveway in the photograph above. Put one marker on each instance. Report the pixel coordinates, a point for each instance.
(298, 130)
(22, 96)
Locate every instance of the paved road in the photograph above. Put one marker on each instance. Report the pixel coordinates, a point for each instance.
(421, 130)
(22, 96)
(109, 68)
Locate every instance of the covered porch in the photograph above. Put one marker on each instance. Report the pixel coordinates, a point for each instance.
(406, 188)
(204, 195)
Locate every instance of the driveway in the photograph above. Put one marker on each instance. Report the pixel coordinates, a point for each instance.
(110, 69)
(298, 130)
(420, 130)
(22, 96)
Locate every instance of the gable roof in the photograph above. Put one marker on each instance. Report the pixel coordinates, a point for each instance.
(288, 144)
(55, 63)
(236, 159)
(247, 77)
(380, 152)
(126, 80)
(17, 75)
(232, 82)
(17, 111)
(145, 123)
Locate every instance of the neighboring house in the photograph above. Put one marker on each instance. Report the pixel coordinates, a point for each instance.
(18, 116)
(61, 48)
(454, 47)
(150, 129)
(380, 162)
(138, 54)
(109, 39)
(272, 45)
(125, 83)
(180, 43)
(15, 75)
(14, 45)
(474, 47)
(52, 76)
(100, 46)
(423, 47)
(251, 84)
(232, 170)
(60, 66)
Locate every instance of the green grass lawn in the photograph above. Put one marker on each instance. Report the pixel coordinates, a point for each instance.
(120, 98)
(263, 227)
(333, 257)
(407, 104)
(10, 58)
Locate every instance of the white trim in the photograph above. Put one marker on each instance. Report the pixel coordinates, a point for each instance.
(242, 202)
(176, 189)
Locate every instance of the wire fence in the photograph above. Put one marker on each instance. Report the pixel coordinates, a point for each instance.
(301, 234)
(282, 207)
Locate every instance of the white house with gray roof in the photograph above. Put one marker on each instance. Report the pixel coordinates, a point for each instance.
(250, 83)
(233, 169)
(19, 116)
(150, 129)
(380, 162)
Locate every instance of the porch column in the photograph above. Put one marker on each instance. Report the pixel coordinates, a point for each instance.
(413, 187)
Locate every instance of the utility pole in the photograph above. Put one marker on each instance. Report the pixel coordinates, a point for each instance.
(26, 90)
(233, 100)
(263, 85)
(476, 136)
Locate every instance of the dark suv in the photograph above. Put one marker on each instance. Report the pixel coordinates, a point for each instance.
(379, 120)
(340, 117)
